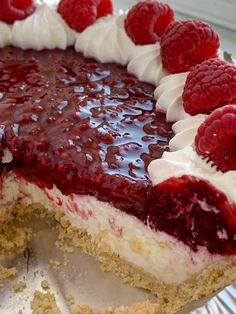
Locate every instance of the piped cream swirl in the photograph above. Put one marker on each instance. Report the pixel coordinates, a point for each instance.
(169, 96)
(106, 41)
(146, 64)
(44, 29)
(5, 34)
(185, 132)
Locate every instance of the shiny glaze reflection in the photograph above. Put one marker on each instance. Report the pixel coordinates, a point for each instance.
(92, 126)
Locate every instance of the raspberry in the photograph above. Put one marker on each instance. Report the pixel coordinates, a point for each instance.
(216, 138)
(194, 211)
(105, 7)
(79, 14)
(11, 11)
(187, 43)
(147, 21)
(210, 85)
(21, 3)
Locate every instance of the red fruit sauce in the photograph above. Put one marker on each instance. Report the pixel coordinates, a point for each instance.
(89, 128)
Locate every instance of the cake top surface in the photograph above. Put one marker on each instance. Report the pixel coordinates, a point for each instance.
(80, 119)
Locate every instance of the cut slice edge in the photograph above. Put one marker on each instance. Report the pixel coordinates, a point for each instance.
(172, 297)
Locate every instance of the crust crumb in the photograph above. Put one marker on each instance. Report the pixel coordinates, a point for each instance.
(13, 239)
(55, 264)
(70, 299)
(44, 303)
(45, 285)
(42, 273)
(19, 286)
(6, 273)
(84, 309)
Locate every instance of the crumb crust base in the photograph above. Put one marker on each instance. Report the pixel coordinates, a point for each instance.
(171, 298)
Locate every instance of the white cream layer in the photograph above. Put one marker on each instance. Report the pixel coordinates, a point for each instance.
(157, 253)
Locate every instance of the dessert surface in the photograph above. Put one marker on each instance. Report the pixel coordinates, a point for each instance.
(91, 126)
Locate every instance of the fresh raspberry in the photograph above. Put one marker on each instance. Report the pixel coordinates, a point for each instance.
(21, 3)
(192, 210)
(79, 14)
(210, 85)
(147, 21)
(187, 43)
(216, 138)
(105, 7)
(13, 10)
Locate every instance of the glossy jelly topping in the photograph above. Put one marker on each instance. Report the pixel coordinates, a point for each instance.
(91, 128)
(194, 211)
(88, 127)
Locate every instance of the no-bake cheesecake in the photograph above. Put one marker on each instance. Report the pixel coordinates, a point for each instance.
(126, 124)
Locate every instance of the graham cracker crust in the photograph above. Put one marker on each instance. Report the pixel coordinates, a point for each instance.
(171, 298)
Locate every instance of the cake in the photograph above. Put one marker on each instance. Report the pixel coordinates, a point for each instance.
(128, 129)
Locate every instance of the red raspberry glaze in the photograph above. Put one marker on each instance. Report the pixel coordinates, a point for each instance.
(91, 128)
(186, 208)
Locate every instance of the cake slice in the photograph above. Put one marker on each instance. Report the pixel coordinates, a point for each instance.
(87, 139)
